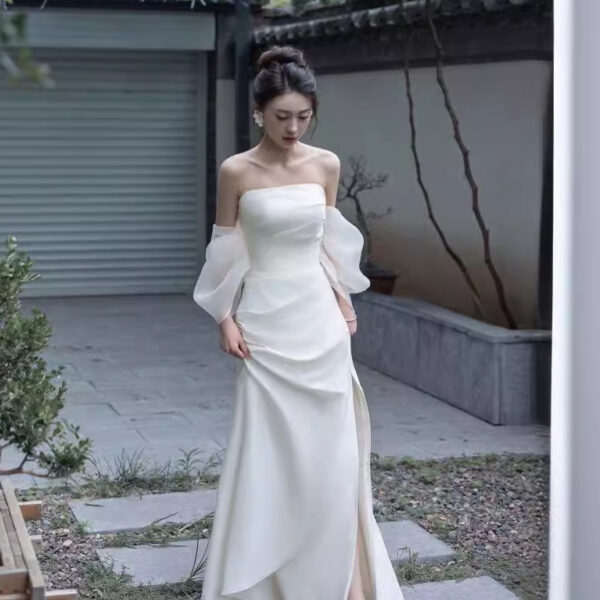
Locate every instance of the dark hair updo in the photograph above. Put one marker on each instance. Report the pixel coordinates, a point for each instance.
(282, 69)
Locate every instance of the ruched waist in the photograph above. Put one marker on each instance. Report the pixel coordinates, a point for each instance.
(285, 272)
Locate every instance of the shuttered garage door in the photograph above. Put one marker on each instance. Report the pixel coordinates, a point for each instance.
(98, 176)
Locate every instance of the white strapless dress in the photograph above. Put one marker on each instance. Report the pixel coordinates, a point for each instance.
(295, 484)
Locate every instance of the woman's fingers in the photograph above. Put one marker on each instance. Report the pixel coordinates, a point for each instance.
(244, 348)
(240, 350)
(232, 341)
(235, 351)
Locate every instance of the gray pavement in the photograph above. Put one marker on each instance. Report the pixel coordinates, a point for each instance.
(146, 372)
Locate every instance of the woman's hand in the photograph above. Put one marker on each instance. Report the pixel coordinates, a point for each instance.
(351, 325)
(348, 313)
(232, 340)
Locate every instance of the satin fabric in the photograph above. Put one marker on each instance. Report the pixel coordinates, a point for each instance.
(295, 485)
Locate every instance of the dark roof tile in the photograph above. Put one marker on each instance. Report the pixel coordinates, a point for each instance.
(339, 20)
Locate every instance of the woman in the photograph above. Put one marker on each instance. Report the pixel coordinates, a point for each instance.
(294, 517)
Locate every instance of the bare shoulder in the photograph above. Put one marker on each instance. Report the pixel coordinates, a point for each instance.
(228, 185)
(233, 165)
(329, 159)
(330, 167)
(233, 171)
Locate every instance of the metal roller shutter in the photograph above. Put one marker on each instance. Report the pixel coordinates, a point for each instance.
(98, 176)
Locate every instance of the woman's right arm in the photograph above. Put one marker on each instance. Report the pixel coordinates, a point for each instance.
(218, 287)
(227, 193)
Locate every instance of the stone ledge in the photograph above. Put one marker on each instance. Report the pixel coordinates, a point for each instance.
(496, 374)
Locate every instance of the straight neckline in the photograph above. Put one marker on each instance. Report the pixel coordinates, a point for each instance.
(276, 187)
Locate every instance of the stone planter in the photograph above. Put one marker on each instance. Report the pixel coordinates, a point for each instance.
(497, 374)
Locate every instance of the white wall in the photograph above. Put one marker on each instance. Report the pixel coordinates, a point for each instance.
(501, 108)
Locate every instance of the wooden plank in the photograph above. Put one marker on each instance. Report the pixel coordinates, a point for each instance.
(9, 528)
(7, 560)
(62, 595)
(36, 579)
(6, 556)
(36, 542)
(31, 510)
(13, 581)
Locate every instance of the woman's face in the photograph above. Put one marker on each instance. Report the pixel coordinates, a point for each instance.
(287, 117)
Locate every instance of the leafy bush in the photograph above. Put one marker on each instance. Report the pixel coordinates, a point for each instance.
(29, 401)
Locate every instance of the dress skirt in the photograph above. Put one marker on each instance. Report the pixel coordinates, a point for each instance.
(295, 485)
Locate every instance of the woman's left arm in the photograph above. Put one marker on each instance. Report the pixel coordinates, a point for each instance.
(341, 247)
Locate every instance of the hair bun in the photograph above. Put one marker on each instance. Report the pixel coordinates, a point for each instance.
(281, 55)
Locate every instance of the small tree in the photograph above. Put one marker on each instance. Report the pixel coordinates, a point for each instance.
(356, 181)
(29, 402)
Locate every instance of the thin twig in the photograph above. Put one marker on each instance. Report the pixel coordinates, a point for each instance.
(510, 319)
(413, 144)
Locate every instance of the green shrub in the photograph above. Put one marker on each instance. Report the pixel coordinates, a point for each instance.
(29, 401)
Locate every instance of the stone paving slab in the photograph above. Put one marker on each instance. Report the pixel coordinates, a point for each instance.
(154, 566)
(474, 588)
(150, 565)
(429, 548)
(109, 515)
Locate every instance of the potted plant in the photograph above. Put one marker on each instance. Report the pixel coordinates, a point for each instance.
(352, 185)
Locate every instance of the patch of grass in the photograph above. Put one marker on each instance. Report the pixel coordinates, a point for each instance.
(102, 581)
(439, 524)
(384, 463)
(132, 473)
(410, 571)
(162, 533)
(81, 527)
(61, 520)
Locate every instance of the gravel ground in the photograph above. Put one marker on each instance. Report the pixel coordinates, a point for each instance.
(492, 510)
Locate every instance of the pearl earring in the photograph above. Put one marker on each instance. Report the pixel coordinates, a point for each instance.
(258, 118)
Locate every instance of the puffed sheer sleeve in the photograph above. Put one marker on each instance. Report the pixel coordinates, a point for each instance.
(219, 284)
(341, 248)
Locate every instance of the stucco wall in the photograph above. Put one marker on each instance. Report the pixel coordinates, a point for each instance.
(501, 107)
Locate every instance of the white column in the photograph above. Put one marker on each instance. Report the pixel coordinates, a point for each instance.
(574, 572)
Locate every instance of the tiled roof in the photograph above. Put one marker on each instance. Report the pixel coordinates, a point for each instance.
(197, 5)
(284, 27)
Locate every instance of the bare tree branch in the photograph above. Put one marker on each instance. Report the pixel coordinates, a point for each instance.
(510, 319)
(413, 144)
